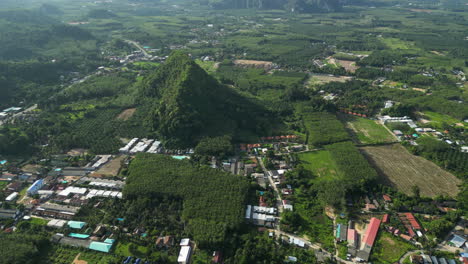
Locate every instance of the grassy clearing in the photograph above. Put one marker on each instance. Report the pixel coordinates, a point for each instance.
(389, 249)
(367, 131)
(318, 79)
(38, 221)
(123, 249)
(402, 170)
(437, 119)
(321, 164)
(3, 184)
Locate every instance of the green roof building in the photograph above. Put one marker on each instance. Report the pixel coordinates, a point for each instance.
(76, 224)
(100, 246)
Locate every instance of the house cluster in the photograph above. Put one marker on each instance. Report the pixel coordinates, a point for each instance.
(426, 259)
(137, 145)
(346, 111)
(405, 119)
(261, 215)
(8, 112)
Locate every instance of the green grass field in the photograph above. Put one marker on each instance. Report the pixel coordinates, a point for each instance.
(389, 249)
(320, 163)
(38, 221)
(122, 249)
(367, 131)
(437, 119)
(3, 184)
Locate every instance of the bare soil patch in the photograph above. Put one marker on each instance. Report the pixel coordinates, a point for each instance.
(254, 63)
(323, 78)
(78, 261)
(126, 114)
(111, 168)
(350, 66)
(402, 170)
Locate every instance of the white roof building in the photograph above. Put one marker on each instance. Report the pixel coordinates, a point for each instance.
(74, 190)
(11, 197)
(184, 255)
(185, 242)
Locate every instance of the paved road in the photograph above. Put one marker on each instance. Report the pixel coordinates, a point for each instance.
(279, 202)
(138, 47)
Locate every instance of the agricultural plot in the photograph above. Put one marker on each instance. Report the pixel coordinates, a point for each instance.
(317, 79)
(320, 163)
(323, 128)
(112, 168)
(367, 131)
(350, 66)
(402, 170)
(436, 119)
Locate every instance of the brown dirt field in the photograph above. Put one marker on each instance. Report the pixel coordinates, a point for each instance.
(31, 168)
(350, 66)
(126, 114)
(421, 10)
(420, 90)
(77, 152)
(111, 168)
(77, 261)
(402, 170)
(253, 63)
(321, 79)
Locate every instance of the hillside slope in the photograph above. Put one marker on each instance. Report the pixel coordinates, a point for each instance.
(192, 105)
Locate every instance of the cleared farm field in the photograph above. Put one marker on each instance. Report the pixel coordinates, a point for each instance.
(320, 163)
(402, 170)
(367, 131)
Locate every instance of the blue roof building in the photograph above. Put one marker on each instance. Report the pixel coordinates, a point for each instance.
(100, 246)
(76, 224)
(35, 187)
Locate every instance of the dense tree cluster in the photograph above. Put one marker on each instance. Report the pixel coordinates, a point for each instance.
(213, 201)
(18, 248)
(217, 146)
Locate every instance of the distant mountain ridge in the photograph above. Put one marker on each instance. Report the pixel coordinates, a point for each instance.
(192, 104)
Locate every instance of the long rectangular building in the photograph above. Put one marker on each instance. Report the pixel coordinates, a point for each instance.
(371, 232)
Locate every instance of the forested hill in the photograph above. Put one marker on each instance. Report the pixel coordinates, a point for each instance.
(192, 104)
(303, 6)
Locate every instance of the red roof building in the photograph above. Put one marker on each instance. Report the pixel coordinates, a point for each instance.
(371, 232)
(352, 236)
(385, 218)
(413, 222)
(405, 237)
(387, 198)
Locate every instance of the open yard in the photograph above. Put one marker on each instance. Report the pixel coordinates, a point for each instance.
(367, 131)
(111, 168)
(320, 163)
(350, 66)
(326, 78)
(389, 249)
(402, 170)
(436, 119)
